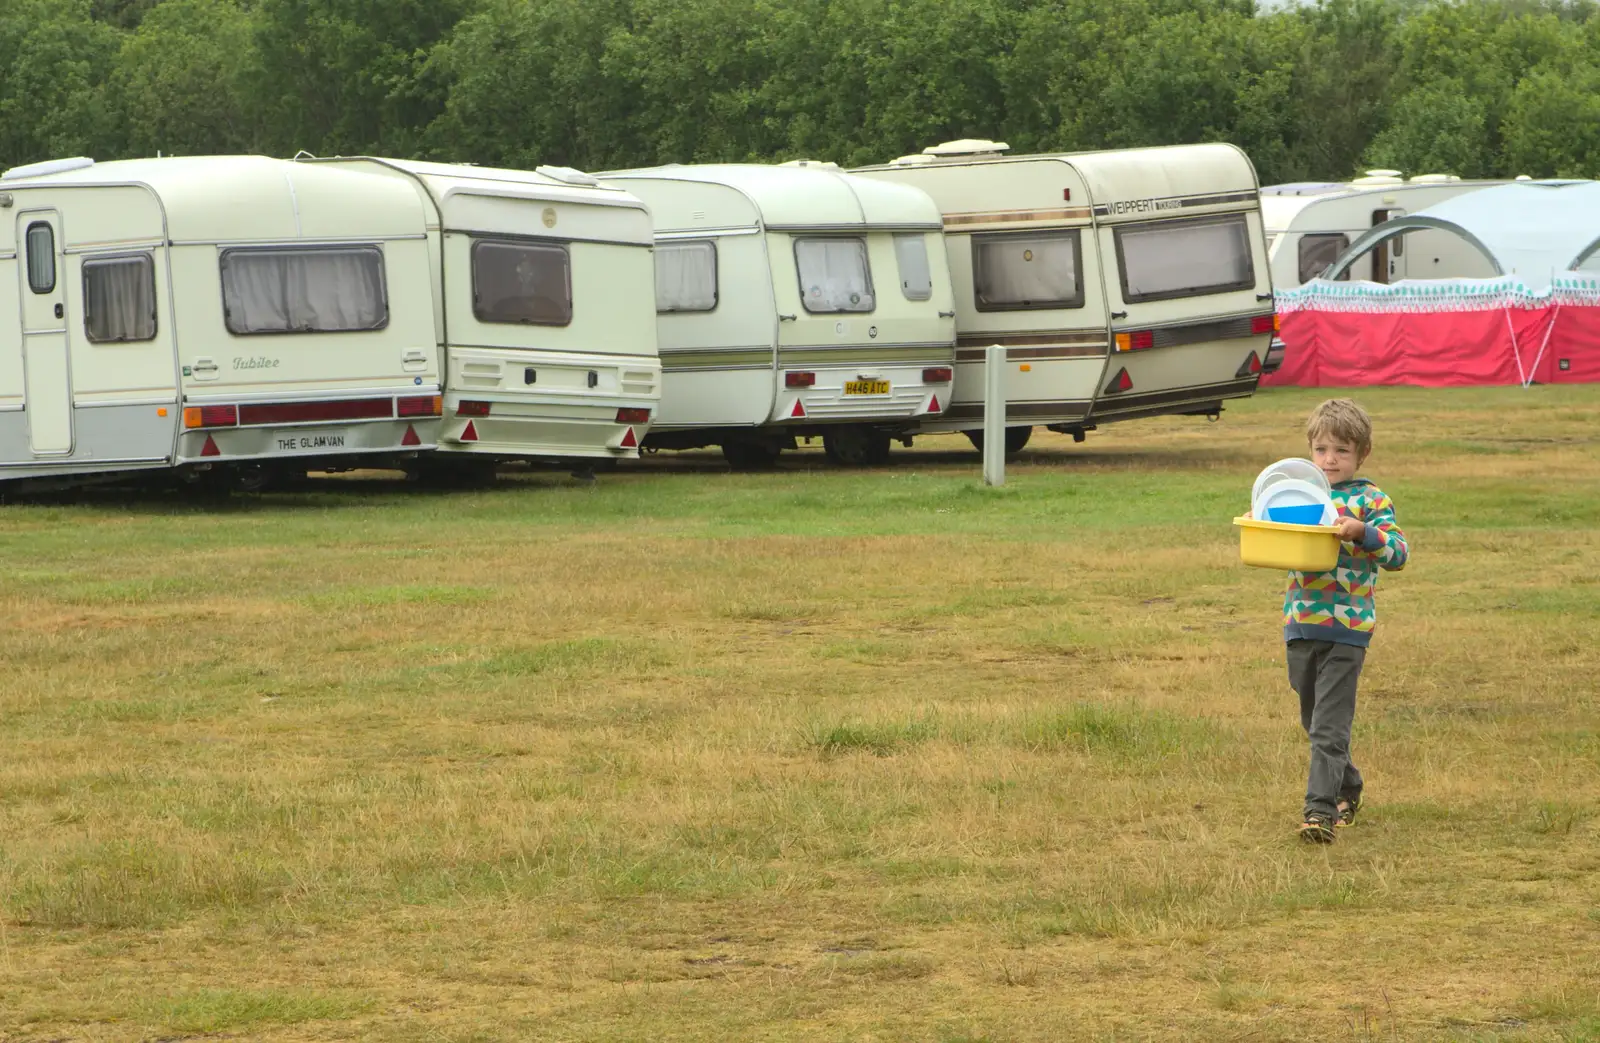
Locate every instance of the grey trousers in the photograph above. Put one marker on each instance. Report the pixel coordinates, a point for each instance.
(1324, 674)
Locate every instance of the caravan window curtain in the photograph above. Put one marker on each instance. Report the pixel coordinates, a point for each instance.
(1319, 250)
(41, 241)
(322, 290)
(119, 299)
(1165, 260)
(521, 282)
(686, 276)
(834, 276)
(1018, 272)
(916, 277)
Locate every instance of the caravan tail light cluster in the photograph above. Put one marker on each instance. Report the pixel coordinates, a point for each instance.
(798, 379)
(469, 408)
(419, 405)
(633, 416)
(1137, 340)
(938, 375)
(210, 416)
(1264, 324)
(267, 413)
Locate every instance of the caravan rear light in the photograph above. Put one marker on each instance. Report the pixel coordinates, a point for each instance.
(419, 405)
(314, 412)
(1264, 324)
(210, 416)
(1136, 341)
(937, 374)
(465, 408)
(633, 416)
(799, 380)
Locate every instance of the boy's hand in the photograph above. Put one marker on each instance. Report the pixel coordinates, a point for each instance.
(1351, 530)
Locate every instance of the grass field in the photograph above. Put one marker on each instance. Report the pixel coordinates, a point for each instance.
(806, 755)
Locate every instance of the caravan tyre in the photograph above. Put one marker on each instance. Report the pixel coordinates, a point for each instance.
(1016, 439)
(854, 446)
(750, 456)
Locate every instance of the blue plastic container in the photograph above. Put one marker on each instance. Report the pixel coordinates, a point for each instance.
(1296, 514)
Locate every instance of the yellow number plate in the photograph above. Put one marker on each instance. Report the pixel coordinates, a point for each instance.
(866, 387)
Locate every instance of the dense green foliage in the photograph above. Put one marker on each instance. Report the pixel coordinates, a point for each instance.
(1476, 87)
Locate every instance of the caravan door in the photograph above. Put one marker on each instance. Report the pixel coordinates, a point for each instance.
(1388, 258)
(47, 381)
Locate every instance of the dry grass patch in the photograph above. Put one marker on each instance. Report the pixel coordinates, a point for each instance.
(812, 754)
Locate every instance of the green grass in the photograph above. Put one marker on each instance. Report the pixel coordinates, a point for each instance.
(809, 754)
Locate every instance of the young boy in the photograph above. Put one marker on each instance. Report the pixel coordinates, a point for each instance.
(1328, 617)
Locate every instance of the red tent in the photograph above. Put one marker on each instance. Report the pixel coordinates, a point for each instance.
(1439, 334)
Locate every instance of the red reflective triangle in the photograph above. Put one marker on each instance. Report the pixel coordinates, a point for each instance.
(210, 448)
(1124, 382)
(798, 410)
(470, 434)
(628, 441)
(411, 437)
(933, 404)
(1255, 363)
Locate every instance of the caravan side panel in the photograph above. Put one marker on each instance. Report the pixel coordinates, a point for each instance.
(717, 366)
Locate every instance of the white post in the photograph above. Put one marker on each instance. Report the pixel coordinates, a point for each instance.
(994, 415)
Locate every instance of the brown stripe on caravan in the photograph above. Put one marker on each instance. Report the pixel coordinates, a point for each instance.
(1013, 217)
(1038, 412)
(977, 340)
(1098, 351)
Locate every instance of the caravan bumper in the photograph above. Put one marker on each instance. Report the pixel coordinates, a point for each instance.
(311, 442)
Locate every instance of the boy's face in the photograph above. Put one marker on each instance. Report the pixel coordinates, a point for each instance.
(1336, 459)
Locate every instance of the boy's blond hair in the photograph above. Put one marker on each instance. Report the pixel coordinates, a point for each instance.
(1341, 418)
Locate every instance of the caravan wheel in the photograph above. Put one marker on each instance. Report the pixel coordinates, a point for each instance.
(1016, 439)
(855, 446)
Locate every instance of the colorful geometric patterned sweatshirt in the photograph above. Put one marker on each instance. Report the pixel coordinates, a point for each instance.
(1338, 606)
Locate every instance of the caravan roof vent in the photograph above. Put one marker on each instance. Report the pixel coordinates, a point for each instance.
(967, 147)
(49, 166)
(569, 175)
(1379, 177)
(825, 164)
(1433, 179)
(910, 161)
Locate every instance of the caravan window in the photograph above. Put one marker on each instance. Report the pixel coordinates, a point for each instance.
(834, 275)
(1039, 270)
(119, 299)
(1165, 260)
(41, 240)
(916, 278)
(521, 282)
(686, 276)
(1320, 250)
(319, 290)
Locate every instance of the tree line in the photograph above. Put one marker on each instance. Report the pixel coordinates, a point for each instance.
(1472, 87)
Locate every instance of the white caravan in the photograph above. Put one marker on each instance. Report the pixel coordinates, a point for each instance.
(542, 290)
(1121, 284)
(1308, 224)
(795, 300)
(229, 316)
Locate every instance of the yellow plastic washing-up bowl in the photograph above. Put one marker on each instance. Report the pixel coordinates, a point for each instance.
(1279, 545)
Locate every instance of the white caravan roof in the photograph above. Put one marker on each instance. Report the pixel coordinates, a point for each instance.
(1530, 229)
(246, 198)
(456, 189)
(790, 197)
(1281, 204)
